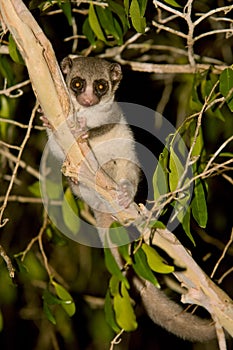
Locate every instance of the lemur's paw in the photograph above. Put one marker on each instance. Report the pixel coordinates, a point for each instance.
(125, 193)
(45, 122)
(82, 123)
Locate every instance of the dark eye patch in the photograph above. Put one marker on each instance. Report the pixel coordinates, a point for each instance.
(100, 87)
(78, 85)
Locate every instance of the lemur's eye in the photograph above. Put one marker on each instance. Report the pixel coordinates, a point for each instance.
(78, 84)
(100, 87)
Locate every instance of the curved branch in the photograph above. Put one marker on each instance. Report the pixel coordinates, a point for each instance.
(201, 290)
(168, 8)
(169, 68)
(212, 32)
(169, 29)
(224, 9)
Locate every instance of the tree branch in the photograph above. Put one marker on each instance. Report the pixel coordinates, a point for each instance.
(169, 68)
(201, 290)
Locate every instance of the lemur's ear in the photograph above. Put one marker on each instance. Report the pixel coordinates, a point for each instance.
(115, 72)
(66, 65)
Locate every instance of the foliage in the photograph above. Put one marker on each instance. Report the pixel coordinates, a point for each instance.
(60, 279)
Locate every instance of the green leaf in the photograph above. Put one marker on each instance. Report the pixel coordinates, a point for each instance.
(126, 5)
(114, 285)
(138, 21)
(196, 101)
(159, 180)
(113, 268)
(175, 175)
(5, 107)
(226, 84)
(35, 189)
(118, 234)
(5, 112)
(70, 212)
(124, 252)
(156, 224)
(55, 237)
(142, 268)
(207, 86)
(94, 23)
(66, 8)
(164, 159)
(125, 315)
(6, 69)
(109, 313)
(172, 3)
(14, 52)
(119, 31)
(176, 170)
(34, 267)
(155, 261)
(199, 145)
(48, 313)
(53, 189)
(1, 321)
(67, 300)
(50, 298)
(186, 225)
(142, 5)
(226, 154)
(121, 13)
(88, 32)
(199, 207)
(107, 23)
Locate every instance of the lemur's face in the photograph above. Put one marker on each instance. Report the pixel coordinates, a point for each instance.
(91, 80)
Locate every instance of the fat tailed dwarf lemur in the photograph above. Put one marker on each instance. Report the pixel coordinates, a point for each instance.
(92, 83)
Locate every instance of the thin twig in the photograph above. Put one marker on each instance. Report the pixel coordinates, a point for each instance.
(21, 199)
(210, 240)
(21, 163)
(212, 32)
(97, 3)
(20, 125)
(146, 46)
(167, 91)
(225, 275)
(40, 235)
(22, 147)
(190, 38)
(7, 92)
(116, 340)
(169, 29)
(39, 239)
(228, 178)
(168, 8)
(218, 152)
(7, 145)
(196, 133)
(168, 68)
(8, 262)
(223, 254)
(224, 9)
